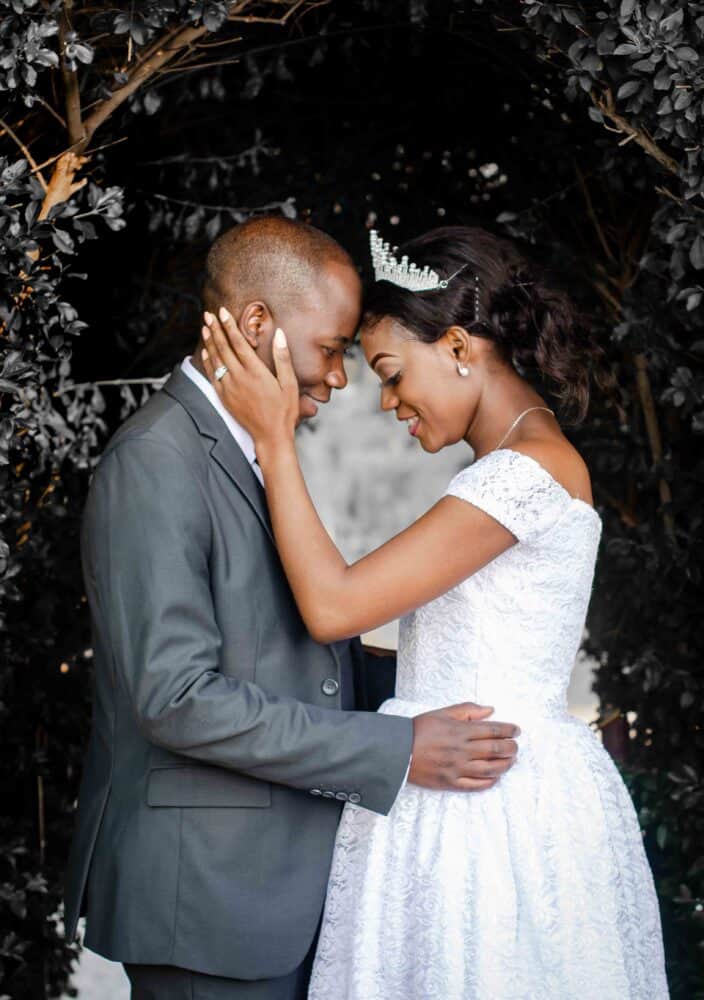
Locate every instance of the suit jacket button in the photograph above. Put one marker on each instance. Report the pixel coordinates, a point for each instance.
(342, 796)
(354, 797)
(315, 791)
(328, 795)
(330, 686)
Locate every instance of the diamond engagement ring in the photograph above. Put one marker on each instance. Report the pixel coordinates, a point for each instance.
(220, 372)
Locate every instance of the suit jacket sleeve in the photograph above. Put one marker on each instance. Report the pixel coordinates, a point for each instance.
(146, 542)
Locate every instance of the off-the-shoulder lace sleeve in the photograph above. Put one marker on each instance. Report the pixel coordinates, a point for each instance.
(515, 490)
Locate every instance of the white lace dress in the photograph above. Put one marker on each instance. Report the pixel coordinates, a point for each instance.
(539, 888)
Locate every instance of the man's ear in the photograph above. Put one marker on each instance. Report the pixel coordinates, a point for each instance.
(256, 323)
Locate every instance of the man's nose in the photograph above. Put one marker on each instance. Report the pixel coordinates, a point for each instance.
(337, 378)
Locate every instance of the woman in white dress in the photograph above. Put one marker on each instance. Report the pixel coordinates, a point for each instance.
(539, 886)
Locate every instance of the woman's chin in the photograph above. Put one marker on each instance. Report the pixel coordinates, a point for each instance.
(430, 447)
(427, 443)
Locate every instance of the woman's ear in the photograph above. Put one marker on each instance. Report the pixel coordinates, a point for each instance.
(459, 343)
(256, 323)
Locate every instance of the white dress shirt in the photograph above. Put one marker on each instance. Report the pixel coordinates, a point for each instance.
(241, 436)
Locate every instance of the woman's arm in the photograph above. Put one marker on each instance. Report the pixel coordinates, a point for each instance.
(445, 546)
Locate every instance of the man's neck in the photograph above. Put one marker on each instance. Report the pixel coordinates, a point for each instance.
(197, 361)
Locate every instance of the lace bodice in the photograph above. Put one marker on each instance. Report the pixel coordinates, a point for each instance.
(508, 635)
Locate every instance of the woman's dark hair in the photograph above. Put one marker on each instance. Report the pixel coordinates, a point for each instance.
(533, 324)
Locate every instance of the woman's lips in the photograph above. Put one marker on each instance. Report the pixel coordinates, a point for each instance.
(413, 426)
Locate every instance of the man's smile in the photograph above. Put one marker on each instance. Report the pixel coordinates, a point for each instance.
(309, 404)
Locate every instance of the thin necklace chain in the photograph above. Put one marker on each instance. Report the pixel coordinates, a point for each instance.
(518, 420)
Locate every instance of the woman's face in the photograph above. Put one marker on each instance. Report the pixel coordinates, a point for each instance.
(421, 382)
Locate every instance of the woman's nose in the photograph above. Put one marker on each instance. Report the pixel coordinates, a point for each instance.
(389, 399)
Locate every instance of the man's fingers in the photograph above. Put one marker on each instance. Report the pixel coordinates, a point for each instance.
(482, 730)
(474, 784)
(487, 768)
(467, 711)
(491, 749)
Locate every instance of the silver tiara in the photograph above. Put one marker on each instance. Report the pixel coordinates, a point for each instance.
(408, 275)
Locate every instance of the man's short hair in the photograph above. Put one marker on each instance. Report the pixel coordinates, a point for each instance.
(268, 258)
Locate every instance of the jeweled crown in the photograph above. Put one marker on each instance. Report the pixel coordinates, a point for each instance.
(403, 273)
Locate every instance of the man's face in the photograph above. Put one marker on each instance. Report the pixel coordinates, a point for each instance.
(318, 332)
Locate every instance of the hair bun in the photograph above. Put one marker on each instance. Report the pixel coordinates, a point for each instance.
(536, 326)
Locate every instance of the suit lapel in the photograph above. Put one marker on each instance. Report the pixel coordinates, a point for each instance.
(227, 453)
(225, 450)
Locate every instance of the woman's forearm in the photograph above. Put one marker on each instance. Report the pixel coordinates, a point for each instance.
(314, 566)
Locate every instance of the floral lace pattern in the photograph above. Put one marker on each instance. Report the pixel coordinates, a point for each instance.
(538, 887)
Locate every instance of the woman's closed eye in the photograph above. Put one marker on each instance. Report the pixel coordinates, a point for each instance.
(392, 380)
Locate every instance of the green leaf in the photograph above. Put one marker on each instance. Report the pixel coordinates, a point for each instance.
(627, 8)
(687, 54)
(696, 253)
(627, 89)
(62, 241)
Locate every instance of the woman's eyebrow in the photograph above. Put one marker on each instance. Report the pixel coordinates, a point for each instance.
(378, 357)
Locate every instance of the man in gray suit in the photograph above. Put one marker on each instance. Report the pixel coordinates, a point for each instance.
(225, 740)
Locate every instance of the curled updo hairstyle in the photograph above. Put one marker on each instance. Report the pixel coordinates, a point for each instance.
(533, 325)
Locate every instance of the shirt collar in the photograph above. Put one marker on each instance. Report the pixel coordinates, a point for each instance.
(242, 437)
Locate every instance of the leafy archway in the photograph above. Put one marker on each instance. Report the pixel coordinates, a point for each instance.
(130, 138)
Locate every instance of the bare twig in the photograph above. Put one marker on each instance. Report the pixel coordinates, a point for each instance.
(605, 103)
(254, 19)
(139, 76)
(52, 111)
(680, 201)
(25, 152)
(189, 67)
(652, 426)
(158, 382)
(592, 213)
(270, 206)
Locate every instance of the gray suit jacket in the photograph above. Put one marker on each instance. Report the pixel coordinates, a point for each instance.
(219, 758)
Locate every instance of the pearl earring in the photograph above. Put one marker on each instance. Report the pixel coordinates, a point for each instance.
(462, 370)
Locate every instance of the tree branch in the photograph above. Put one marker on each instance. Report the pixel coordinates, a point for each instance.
(138, 77)
(74, 121)
(25, 152)
(156, 382)
(605, 103)
(62, 184)
(647, 403)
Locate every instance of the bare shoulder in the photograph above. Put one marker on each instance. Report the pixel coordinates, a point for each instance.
(562, 460)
